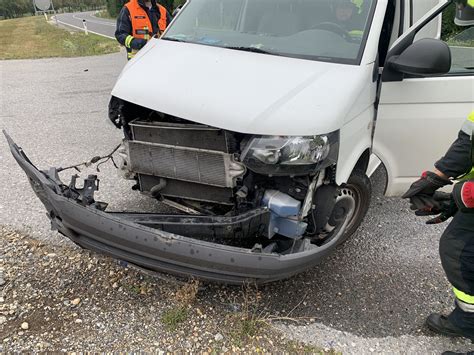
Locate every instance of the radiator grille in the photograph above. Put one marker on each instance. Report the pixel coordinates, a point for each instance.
(181, 163)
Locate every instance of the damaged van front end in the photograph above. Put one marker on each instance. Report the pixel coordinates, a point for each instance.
(256, 137)
(177, 244)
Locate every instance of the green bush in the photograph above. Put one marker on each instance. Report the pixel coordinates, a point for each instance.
(78, 5)
(178, 3)
(15, 8)
(19, 8)
(114, 6)
(449, 28)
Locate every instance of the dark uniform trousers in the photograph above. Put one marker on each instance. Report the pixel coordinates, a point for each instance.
(457, 257)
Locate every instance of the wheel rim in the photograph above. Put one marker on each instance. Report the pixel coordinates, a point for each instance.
(343, 216)
(356, 196)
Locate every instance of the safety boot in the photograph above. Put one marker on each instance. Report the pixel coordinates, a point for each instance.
(441, 325)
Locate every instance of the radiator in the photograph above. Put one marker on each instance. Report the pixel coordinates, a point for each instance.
(181, 152)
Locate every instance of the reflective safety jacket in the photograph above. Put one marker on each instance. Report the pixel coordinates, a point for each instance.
(458, 163)
(137, 21)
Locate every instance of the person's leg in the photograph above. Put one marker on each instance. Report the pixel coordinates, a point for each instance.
(457, 257)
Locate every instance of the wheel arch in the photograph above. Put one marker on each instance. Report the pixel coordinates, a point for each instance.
(363, 162)
(355, 162)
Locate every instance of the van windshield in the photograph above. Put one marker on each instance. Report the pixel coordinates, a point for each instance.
(326, 30)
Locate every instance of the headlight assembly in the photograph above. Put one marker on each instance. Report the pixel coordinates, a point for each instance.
(283, 155)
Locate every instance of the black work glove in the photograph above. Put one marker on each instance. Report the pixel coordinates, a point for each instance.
(421, 191)
(447, 208)
(137, 43)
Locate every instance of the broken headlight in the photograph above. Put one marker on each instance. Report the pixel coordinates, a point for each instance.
(283, 155)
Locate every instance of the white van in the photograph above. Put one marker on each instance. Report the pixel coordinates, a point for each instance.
(257, 122)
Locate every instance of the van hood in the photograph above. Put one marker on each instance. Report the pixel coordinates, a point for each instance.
(242, 91)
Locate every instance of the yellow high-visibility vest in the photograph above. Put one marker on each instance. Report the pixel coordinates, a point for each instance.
(468, 128)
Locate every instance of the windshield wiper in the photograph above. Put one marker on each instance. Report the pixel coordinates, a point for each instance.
(251, 49)
(174, 39)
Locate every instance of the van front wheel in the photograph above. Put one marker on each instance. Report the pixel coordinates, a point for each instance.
(360, 188)
(352, 204)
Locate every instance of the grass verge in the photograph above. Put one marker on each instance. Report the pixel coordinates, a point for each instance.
(33, 37)
(104, 14)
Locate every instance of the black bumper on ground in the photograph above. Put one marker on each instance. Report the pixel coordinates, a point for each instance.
(143, 239)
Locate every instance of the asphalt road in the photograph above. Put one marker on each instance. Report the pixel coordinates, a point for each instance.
(373, 294)
(101, 26)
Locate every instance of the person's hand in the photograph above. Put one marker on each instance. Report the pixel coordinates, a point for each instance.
(446, 209)
(137, 43)
(421, 191)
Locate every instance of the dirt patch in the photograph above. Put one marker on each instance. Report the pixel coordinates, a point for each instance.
(68, 299)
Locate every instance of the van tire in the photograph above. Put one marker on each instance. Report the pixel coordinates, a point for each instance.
(360, 186)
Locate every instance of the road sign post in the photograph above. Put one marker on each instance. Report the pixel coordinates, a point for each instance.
(43, 7)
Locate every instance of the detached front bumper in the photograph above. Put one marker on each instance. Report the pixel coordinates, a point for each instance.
(141, 239)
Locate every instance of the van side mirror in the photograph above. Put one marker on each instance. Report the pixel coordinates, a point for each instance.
(427, 56)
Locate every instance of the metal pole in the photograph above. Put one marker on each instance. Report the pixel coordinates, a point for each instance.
(55, 14)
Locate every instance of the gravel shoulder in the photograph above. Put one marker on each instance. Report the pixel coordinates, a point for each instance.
(67, 299)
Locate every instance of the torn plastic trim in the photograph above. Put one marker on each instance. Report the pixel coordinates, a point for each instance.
(158, 250)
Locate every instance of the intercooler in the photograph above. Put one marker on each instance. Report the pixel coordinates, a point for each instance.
(188, 156)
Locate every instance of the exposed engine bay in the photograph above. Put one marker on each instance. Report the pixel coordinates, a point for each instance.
(242, 207)
(206, 171)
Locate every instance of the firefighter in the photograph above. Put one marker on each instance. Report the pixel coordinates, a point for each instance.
(346, 15)
(138, 21)
(457, 242)
(345, 9)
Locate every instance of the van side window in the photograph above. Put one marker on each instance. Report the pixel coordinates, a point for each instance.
(460, 40)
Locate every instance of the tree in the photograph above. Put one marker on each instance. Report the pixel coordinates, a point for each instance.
(448, 27)
(15, 8)
(114, 6)
(169, 4)
(78, 5)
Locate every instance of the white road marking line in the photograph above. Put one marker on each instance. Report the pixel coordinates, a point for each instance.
(82, 29)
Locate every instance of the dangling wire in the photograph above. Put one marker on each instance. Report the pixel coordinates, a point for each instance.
(99, 160)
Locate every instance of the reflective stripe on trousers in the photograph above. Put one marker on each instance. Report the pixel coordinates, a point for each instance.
(465, 307)
(464, 301)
